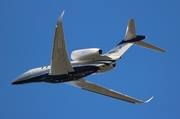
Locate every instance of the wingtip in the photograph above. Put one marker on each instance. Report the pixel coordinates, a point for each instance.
(61, 16)
(143, 102)
(164, 50)
(149, 99)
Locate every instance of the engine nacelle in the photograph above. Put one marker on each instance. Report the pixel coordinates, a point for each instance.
(86, 54)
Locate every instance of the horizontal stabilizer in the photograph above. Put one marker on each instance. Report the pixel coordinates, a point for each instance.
(148, 45)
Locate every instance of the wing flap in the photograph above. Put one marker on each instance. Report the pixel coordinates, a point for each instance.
(104, 91)
(60, 63)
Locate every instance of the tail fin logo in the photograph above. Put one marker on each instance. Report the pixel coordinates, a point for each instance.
(114, 51)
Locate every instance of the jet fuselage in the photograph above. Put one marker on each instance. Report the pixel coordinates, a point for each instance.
(81, 69)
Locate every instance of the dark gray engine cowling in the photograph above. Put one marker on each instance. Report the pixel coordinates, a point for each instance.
(86, 54)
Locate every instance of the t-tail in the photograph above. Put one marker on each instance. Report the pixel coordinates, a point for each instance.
(130, 39)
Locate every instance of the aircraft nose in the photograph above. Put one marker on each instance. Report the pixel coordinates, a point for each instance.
(18, 81)
(14, 82)
(22, 78)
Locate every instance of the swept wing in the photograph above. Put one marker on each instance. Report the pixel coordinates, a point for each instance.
(86, 85)
(60, 63)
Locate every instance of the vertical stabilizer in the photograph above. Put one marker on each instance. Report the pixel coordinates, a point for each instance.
(126, 43)
(130, 30)
(130, 39)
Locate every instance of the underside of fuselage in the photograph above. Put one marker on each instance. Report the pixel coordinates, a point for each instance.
(79, 72)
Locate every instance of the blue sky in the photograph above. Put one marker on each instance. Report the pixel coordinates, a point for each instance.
(26, 37)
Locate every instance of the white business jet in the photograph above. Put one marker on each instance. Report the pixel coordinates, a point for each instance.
(86, 62)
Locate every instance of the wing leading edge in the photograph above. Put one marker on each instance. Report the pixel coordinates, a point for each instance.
(86, 85)
(60, 63)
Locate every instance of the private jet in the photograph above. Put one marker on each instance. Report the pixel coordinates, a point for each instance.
(85, 62)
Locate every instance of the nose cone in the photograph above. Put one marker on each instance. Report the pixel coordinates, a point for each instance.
(18, 81)
(22, 78)
(14, 82)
